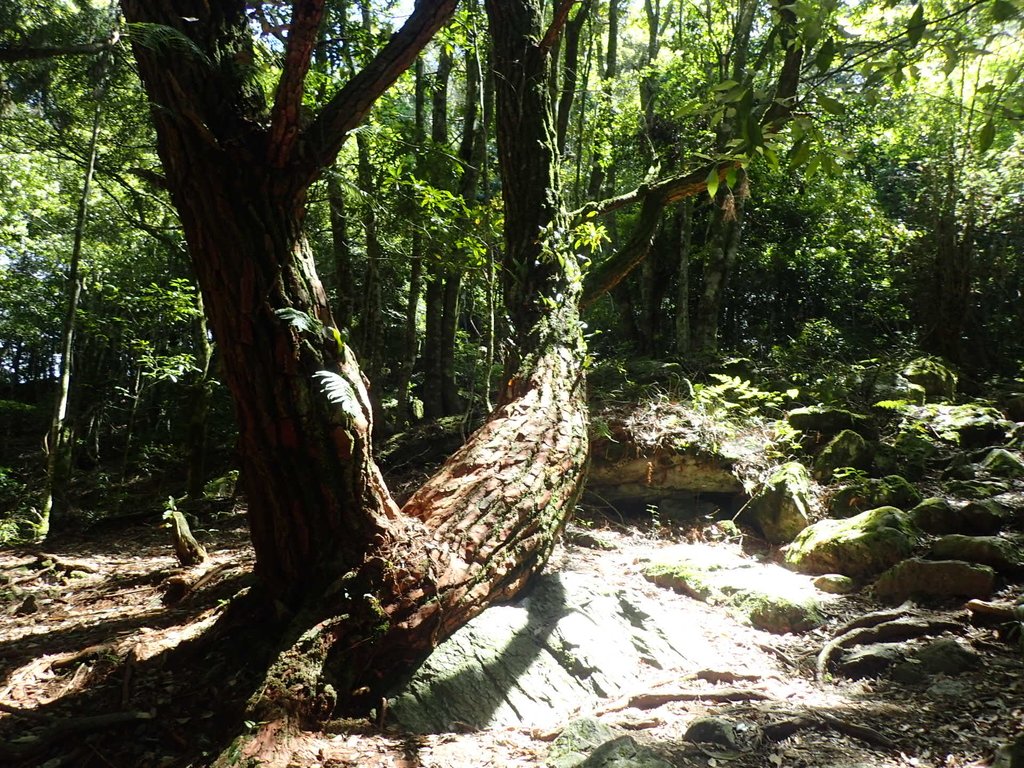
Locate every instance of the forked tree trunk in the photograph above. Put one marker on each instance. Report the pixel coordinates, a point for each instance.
(373, 588)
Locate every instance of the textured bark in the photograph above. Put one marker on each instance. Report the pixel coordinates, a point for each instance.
(372, 588)
(317, 503)
(727, 229)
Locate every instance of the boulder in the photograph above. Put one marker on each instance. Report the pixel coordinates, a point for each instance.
(859, 546)
(934, 578)
(913, 451)
(869, 660)
(835, 584)
(936, 515)
(937, 381)
(1013, 406)
(780, 509)
(1010, 754)
(871, 493)
(587, 743)
(847, 449)
(823, 420)
(1002, 554)
(970, 426)
(945, 656)
(569, 643)
(712, 730)
(983, 517)
(766, 596)
(1002, 463)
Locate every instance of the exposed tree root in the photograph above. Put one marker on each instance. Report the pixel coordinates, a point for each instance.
(785, 728)
(655, 699)
(996, 611)
(877, 627)
(61, 729)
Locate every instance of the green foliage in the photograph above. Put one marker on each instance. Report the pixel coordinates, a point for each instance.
(734, 395)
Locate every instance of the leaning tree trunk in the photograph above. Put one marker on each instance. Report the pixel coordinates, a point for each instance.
(372, 589)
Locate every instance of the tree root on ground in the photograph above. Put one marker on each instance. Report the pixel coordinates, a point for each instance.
(898, 624)
(784, 728)
(61, 729)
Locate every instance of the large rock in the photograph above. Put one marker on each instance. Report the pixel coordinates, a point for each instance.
(1003, 463)
(937, 381)
(780, 509)
(936, 515)
(618, 472)
(571, 642)
(970, 425)
(823, 420)
(767, 596)
(986, 516)
(847, 449)
(587, 743)
(859, 546)
(1002, 554)
(934, 578)
(871, 493)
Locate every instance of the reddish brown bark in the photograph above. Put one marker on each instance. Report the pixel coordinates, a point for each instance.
(373, 588)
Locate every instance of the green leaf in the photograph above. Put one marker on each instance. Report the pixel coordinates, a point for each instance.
(713, 182)
(301, 321)
(830, 105)
(986, 136)
(725, 85)
(799, 154)
(916, 25)
(1003, 10)
(827, 52)
(730, 177)
(339, 392)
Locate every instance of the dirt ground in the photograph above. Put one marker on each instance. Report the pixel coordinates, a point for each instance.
(112, 655)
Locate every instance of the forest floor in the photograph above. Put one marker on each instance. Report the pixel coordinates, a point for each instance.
(96, 669)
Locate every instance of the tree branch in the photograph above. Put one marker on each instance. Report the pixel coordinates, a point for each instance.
(557, 24)
(655, 197)
(349, 106)
(284, 119)
(14, 53)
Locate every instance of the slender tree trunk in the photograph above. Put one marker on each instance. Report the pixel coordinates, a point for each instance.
(435, 341)
(60, 441)
(341, 250)
(407, 362)
(570, 74)
(684, 222)
(727, 228)
(200, 394)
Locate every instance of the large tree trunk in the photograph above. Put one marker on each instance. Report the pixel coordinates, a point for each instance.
(372, 588)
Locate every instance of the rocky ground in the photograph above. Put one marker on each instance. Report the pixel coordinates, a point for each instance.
(96, 669)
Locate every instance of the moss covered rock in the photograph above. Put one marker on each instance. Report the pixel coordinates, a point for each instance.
(859, 546)
(934, 578)
(1002, 554)
(936, 515)
(1002, 463)
(826, 421)
(937, 380)
(765, 595)
(847, 449)
(871, 493)
(970, 426)
(780, 509)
